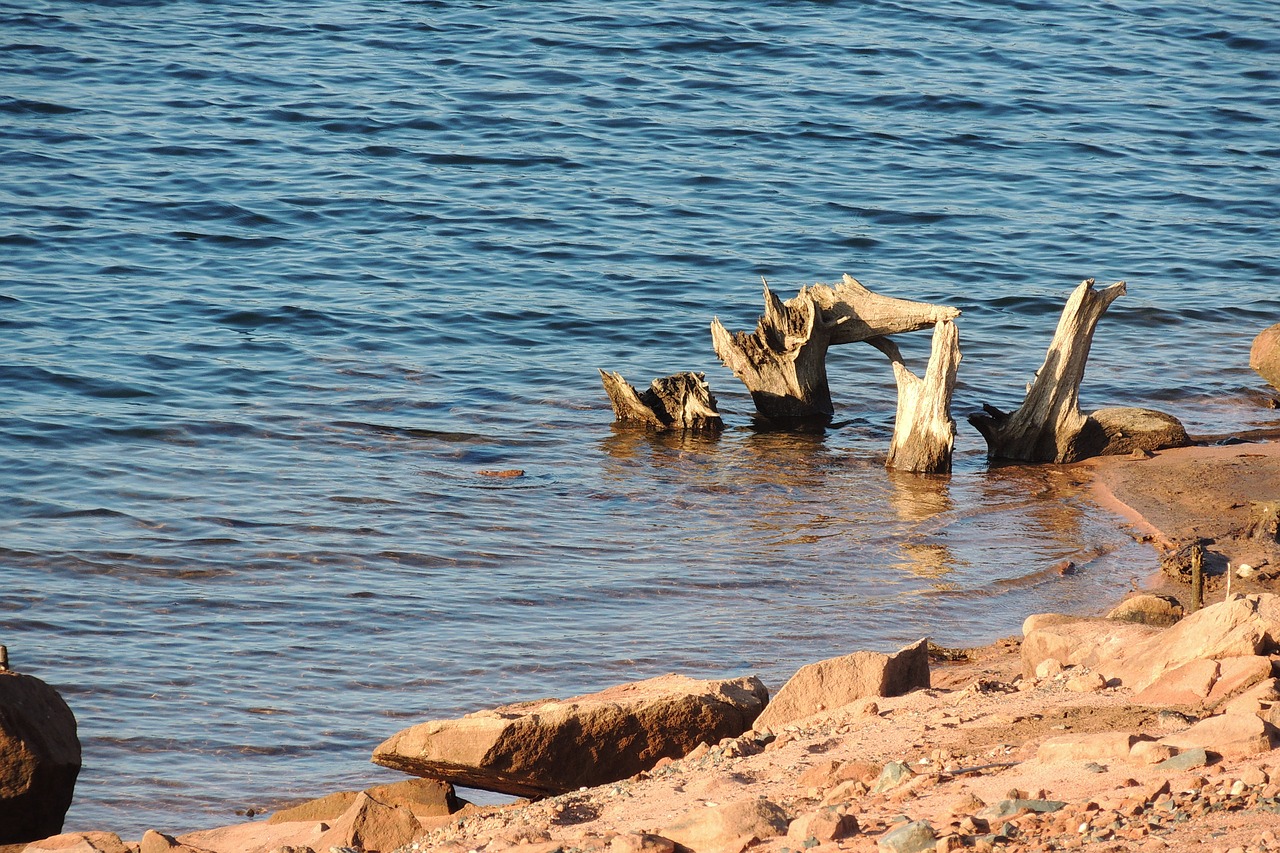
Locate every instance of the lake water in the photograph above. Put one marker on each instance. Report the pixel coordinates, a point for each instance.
(279, 282)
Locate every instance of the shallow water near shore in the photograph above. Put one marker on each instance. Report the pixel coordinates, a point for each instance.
(282, 286)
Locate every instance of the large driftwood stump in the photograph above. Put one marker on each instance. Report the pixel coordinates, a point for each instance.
(783, 362)
(924, 432)
(682, 401)
(1048, 426)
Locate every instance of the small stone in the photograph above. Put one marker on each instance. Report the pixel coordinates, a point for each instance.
(1048, 668)
(966, 803)
(641, 842)
(1187, 760)
(893, 774)
(913, 837)
(1151, 752)
(1090, 682)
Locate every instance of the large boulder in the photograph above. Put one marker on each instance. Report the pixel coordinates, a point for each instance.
(39, 759)
(553, 746)
(1264, 356)
(1127, 429)
(1076, 640)
(1241, 626)
(835, 682)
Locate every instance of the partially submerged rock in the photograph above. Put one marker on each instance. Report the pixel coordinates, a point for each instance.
(1264, 356)
(39, 758)
(836, 682)
(1126, 429)
(551, 747)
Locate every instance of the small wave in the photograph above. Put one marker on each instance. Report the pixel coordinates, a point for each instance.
(22, 106)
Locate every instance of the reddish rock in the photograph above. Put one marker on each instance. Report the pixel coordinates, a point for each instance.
(1189, 684)
(1128, 429)
(729, 828)
(80, 842)
(1229, 735)
(1102, 746)
(1076, 641)
(1160, 611)
(1237, 627)
(423, 797)
(158, 842)
(256, 837)
(1264, 355)
(551, 747)
(371, 826)
(1238, 674)
(826, 824)
(39, 759)
(836, 682)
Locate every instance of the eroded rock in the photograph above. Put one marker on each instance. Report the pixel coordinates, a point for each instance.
(39, 759)
(1264, 355)
(1126, 429)
(371, 826)
(551, 747)
(728, 828)
(1160, 611)
(836, 682)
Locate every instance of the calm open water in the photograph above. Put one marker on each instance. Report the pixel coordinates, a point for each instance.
(279, 281)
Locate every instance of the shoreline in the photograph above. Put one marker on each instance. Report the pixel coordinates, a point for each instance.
(980, 711)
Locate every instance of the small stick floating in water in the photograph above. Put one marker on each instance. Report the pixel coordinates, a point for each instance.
(509, 473)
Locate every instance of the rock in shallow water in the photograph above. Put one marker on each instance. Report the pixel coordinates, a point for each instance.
(39, 758)
(1264, 356)
(555, 746)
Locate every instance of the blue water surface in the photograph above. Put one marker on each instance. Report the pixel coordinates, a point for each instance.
(280, 284)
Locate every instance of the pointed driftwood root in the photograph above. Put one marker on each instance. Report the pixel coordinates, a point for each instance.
(783, 362)
(1048, 426)
(679, 402)
(924, 432)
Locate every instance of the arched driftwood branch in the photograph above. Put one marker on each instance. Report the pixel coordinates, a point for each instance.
(924, 432)
(783, 362)
(1048, 426)
(682, 401)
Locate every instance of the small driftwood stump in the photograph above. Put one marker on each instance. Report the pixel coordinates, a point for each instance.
(783, 362)
(679, 402)
(1048, 426)
(924, 432)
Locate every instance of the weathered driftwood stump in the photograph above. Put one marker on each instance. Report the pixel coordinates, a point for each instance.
(924, 432)
(783, 362)
(1048, 426)
(679, 402)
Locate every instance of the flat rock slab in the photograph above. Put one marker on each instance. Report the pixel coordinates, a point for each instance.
(537, 749)
(835, 682)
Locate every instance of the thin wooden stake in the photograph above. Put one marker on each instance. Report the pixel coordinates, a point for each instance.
(1197, 576)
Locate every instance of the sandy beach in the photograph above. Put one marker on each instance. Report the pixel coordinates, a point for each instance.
(967, 757)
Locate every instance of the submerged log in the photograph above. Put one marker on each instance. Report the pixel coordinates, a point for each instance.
(1048, 426)
(924, 432)
(783, 362)
(679, 402)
